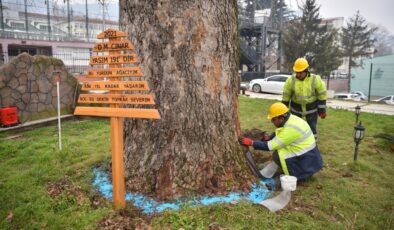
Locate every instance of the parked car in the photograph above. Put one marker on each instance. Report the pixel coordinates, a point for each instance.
(272, 84)
(347, 96)
(387, 99)
(360, 94)
(244, 85)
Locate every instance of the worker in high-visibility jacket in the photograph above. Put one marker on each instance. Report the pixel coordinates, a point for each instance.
(305, 94)
(295, 149)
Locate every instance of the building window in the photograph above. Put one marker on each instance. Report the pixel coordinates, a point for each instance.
(18, 25)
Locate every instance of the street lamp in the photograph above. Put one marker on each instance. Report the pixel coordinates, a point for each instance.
(358, 110)
(358, 136)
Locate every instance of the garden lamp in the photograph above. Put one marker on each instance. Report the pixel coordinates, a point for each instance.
(358, 136)
(358, 110)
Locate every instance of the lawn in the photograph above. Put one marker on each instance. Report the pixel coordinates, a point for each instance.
(42, 188)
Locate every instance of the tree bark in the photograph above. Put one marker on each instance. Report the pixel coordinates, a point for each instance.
(189, 52)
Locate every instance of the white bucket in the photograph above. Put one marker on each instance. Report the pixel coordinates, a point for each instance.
(289, 183)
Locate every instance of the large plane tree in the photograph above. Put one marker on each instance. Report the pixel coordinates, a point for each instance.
(189, 53)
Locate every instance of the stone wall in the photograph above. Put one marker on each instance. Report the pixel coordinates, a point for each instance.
(28, 83)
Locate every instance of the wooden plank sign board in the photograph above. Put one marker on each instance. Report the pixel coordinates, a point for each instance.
(116, 99)
(115, 85)
(117, 112)
(114, 59)
(115, 72)
(117, 45)
(111, 33)
(139, 99)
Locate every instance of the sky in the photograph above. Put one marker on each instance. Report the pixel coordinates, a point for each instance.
(378, 12)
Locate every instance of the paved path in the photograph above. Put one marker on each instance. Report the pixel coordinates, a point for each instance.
(36, 122)
(338, 104)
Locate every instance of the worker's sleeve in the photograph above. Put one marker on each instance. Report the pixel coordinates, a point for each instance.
(272, 135)
(284, 137)
(287, 92)
(321, 94)
(261, 145)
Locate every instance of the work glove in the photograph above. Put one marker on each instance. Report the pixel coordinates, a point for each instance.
(322, 115)
(245, 141)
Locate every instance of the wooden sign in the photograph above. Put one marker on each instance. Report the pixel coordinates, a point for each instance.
(117, 45)
(115, 72)
(111, 33)
(117, 112)
(114, 59)
(115, 85)
(138, 99)
(116, 99)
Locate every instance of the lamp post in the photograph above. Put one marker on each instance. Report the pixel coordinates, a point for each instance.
(358, 136)
(358, 110)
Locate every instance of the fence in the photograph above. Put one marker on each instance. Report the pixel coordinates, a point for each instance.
(74, 62)
(375, 78)
(57, 20)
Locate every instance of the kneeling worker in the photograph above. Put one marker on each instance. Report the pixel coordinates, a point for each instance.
(295, 147)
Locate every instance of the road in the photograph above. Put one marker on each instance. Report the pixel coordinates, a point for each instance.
(338, 104)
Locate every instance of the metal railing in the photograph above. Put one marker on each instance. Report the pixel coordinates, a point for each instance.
(44, 36)
(75, 63)
(249, 52)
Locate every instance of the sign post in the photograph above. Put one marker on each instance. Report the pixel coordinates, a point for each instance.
(118, 183)
(57, 80)
(116, 99)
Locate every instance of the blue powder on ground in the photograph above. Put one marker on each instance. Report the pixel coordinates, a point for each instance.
(258, 193)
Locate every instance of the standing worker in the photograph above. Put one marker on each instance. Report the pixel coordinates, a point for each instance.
(295, 147)
(305, 94)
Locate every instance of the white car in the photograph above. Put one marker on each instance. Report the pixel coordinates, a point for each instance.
(347, 96)
(244, 85)
(360, 94)
(387, 99)
(272, 84)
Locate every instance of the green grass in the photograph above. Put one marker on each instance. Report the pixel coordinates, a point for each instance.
(47, 189)
(31, 162)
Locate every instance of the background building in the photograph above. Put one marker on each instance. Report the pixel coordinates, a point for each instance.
(51, 28)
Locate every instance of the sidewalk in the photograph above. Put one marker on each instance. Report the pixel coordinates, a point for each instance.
(36, 122)
(338, 104)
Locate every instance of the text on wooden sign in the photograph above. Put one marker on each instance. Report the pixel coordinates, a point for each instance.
(140, 99)
(116, 72)
(114, 59)
(115, 85)
(116, 45)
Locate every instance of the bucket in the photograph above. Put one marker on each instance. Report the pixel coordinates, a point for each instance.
(289, 183)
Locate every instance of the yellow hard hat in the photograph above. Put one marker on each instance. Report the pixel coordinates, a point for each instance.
(277, 109)
(300, 65)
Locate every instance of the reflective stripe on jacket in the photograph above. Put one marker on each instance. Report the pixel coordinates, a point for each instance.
(307, 96)
(296, 144)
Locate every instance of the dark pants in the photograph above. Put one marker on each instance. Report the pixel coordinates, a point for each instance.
(275, 158)
(303, 166)
(311, 119)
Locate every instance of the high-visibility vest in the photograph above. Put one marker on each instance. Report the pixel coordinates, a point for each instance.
(294, 139)
(304, 94)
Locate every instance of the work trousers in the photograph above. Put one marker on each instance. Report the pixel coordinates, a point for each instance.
(303, 166)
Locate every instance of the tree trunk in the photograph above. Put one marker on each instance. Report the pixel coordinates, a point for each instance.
(189, 53)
